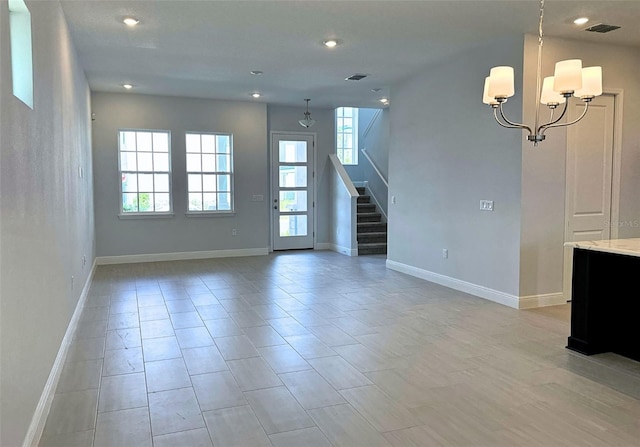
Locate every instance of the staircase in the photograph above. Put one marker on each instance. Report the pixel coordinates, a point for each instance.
(372, 232)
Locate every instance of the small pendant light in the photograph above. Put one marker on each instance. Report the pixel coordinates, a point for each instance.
(307, 121)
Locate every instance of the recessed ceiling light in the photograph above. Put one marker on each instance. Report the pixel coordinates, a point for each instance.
(256, 72)
(384, 100)
(130, 21)
(581, 20)
(127, 86)
(331, 43)
(256, 95)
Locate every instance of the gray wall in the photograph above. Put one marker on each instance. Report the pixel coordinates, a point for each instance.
(250, 123)
(543, 168)
(357, 172)
(247, 122)
(285, 119)
(446, 154)
(376, 142)
(46, 216)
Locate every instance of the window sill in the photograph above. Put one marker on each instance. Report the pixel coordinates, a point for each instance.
(210, 214)
(146, 216)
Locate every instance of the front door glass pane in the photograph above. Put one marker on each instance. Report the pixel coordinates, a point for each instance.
(293, 201)
(293, 151)
(293, 225)
(293, 176)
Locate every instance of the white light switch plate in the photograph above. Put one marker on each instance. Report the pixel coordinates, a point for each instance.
(486, 205)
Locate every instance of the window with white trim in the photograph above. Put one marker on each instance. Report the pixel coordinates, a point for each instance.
(145, 171)
(347, 135)
(209, 172)
(21, 51)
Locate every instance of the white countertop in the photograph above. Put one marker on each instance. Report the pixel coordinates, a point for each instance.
(629, 247)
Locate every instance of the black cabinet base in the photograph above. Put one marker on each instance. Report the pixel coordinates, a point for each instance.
(583, 348)
(605, 304)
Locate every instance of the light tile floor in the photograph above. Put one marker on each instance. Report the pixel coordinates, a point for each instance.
(319, 349)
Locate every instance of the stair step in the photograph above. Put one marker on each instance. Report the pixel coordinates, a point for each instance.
(372, 249)
(371, 227)
(366, 207)
(360, 189)
(372, 237)
(364, 199)
(369, 217)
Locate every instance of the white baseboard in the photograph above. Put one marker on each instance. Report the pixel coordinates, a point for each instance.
(543, 300)
(457, 284)
(343, 250)
(36, 427)
(181, 256)
(337, 248)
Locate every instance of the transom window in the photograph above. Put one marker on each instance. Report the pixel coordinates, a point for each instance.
(347, 135)
(145, 171)
(210, 172)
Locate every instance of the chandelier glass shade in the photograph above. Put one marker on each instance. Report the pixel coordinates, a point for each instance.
(569, 79)
(307, 121)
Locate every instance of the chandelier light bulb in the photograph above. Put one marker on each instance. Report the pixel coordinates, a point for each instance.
(485, 94)
(549, 97)
(502, 82)
(568, 76)
(591, 83)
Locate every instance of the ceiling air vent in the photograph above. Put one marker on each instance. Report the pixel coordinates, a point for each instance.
(602, 28)
(356, 77)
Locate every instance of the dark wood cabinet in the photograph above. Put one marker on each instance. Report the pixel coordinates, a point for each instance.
(605, 306)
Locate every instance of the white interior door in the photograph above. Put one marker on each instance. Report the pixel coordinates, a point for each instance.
(292, 197)
(589, 176)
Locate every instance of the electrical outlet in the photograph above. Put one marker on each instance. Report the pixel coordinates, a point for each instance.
(257, 198)
(445, 253)
(393, 199)
(84, 260)
(486, 205)
(73, 280)
(234, 232)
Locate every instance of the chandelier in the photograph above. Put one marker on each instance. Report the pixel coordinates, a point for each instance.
(307, 121)
(569, 79)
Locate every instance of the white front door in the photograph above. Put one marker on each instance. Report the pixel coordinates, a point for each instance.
(292, 199)
(589, 175)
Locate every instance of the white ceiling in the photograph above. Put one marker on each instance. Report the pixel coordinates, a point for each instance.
(207, 48)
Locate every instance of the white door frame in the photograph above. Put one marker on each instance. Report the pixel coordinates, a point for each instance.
(314, 177)
(617, 158)
(614, 217)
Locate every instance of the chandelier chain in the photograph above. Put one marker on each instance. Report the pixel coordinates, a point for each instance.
(539, 72)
